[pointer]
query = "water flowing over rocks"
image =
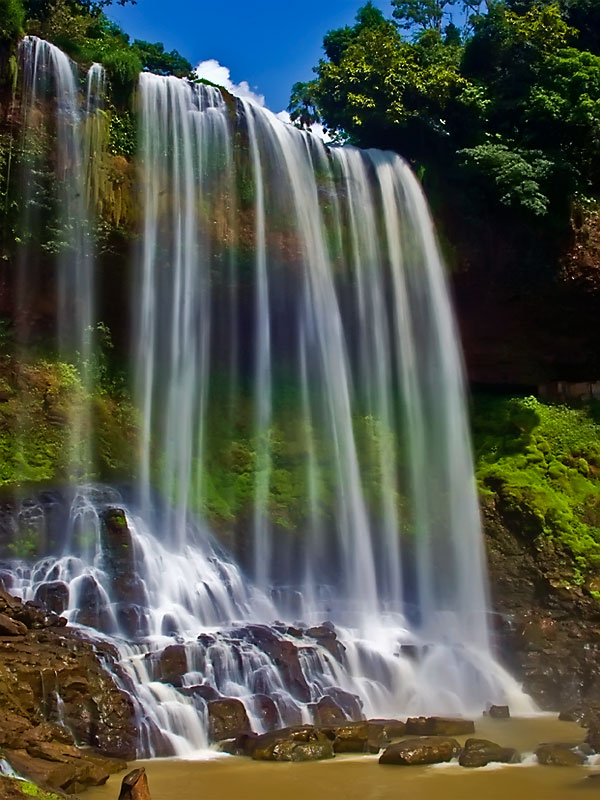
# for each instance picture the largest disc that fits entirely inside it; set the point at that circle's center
(353, 582)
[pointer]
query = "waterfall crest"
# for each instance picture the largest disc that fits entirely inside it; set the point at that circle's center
(291, 321)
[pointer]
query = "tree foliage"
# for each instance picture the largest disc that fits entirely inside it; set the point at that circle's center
(511, 103)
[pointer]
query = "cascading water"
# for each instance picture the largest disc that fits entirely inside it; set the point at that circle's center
(291, 321)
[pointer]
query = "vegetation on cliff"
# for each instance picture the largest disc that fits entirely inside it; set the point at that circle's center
(541, 465)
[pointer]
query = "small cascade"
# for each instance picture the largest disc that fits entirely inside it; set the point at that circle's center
(302, 533)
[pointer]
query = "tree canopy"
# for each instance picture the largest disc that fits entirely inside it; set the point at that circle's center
(505, 96)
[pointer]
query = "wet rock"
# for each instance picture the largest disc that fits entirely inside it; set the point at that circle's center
(53, 595)
(499, 712)
(135, 786)
(11, 627)
(48, 774)
(479, 752)
(593, 737)
(206, 639)
(132, 620)
(289, 711)
(284, 655)
(92, 605)
(200, 690)
(169, 626)
(439, 726)
(351, 704)
(242, 745)
(170, 664)
(326, 637)
(327, 712)
(383, 731)
(351, 737)
(421, 750)
(118, 559)
(227, 718)
(264, 707)
(304, 743)
(558, 755)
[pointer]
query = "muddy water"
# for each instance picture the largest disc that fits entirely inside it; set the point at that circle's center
(358, 777)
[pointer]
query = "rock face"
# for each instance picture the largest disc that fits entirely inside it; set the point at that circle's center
(479, 752)
(227, 718)
(46, 664)
(559, 755)
(548, 634)
(422, 750)
(439, 726)
(291, 744)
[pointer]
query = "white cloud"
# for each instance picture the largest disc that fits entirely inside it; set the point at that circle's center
(212, 71)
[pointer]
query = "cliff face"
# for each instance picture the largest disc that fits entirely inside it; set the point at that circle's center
(527, 302)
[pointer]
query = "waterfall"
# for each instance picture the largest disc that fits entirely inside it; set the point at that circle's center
(305, 482)
(50, 78)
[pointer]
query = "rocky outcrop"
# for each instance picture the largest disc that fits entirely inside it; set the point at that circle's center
(547, 627)
(421, 750)
(57, 691)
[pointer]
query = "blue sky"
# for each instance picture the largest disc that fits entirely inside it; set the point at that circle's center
(269, 44)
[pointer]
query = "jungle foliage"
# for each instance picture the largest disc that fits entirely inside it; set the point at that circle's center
(541, 464)
(506, 107)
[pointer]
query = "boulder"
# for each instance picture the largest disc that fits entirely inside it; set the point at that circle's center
(351, 704)
(421, 750)
(227, 718)
(170, 664)
(439, 726)
(11, 627)
(327, 638)
(499, 712)
(265, 708)
(352, 737)
(92, 605)
(558, 755)
(382, 731)
(327, 712)
(200, 690)
(53, 595)
(304, 743)
(479, 752)
(135, 786)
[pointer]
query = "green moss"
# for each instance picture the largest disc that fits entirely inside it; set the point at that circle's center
(12, 20)
(542, 463)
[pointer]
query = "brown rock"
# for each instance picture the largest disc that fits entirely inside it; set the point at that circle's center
(135, 786)
(479, 752)
(327, 712)
(499, 712)
(352, 737)
(304, 743)
(227, 718)
(558, 755)
(11, 627)
(439, 726)
(421, 750)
